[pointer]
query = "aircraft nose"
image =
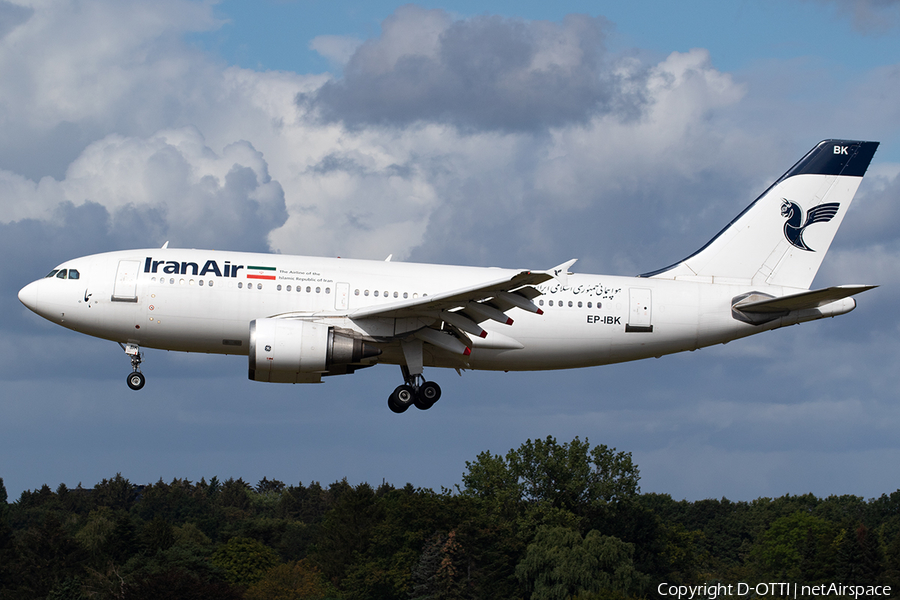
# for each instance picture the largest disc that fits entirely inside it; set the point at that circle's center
(28, 295)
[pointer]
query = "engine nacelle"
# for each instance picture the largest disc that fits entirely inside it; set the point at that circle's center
(294, 351)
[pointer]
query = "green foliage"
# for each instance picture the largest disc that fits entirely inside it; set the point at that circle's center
(96, 535)
(157, 535)
(306, 504)
(3, 497)
(570, 476)
(293, 581)
(244, 561)
(45, 557)
(859, 556)
(559, 564)
(792, 545)
(545, 520)
(176, 584)
(235, 494)
(115, 493)
(441, 573)
(175, 502)
(190, 536)
(346, 530)
(682, 557)
(892, 561)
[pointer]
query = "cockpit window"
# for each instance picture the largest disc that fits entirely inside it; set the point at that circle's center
(61, 274)
(73, 274)
(51, 273)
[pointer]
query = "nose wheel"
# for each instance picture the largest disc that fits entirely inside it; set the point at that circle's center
(135, 379)
(415, 392)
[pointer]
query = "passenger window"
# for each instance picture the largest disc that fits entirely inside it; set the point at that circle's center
(210, 283)
(395, 294)
(61, 274)
(200, 283)
(73, 274)
(327, 290)
(589, 304)
(570, 304)
(579, 304)
(279, 287)
(318, 290)
(376, 293)
(551, 302)
(366, 293)
(240, 285)
(308, 289)
(356, 292)
(541, 302)
(259, 286)
(52, 273)
(405, 295)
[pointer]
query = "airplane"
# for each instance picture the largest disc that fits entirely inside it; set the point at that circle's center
(300, 318)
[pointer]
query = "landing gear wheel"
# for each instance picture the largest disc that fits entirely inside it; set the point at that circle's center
(401, 399)
(136, 380)
(427, 394)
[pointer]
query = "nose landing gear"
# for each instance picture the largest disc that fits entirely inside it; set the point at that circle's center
(135, 379)
(416, 391)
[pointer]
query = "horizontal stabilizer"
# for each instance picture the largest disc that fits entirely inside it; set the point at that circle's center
(801, 301)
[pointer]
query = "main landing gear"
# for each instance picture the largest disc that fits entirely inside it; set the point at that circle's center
(416, 391)
(135, 379)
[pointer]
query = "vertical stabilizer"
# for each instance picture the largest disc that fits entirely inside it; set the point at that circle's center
(782, 237)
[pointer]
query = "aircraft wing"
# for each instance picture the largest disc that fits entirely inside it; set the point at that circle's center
(453, 299)
(460, 311)
(803, 300)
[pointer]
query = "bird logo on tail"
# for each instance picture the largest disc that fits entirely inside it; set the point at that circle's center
(793, 230)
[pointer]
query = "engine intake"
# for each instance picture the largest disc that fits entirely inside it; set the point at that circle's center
(291, 351)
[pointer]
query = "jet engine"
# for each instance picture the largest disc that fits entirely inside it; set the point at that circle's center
(294, 351)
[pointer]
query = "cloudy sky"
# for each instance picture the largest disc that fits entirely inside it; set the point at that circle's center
(493, 133)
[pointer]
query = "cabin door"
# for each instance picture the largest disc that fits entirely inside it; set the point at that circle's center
(640, 311)
(125, 288)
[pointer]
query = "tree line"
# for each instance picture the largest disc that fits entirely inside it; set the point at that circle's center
(548, 520)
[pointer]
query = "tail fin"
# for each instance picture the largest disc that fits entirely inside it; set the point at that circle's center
(783, 236)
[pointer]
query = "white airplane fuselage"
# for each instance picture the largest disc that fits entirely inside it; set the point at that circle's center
(591, 320)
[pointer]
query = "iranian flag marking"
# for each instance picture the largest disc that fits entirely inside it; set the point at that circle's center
(260, 272)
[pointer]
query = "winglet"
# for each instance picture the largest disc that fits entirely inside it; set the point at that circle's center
(561, 272)
(166, 245)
